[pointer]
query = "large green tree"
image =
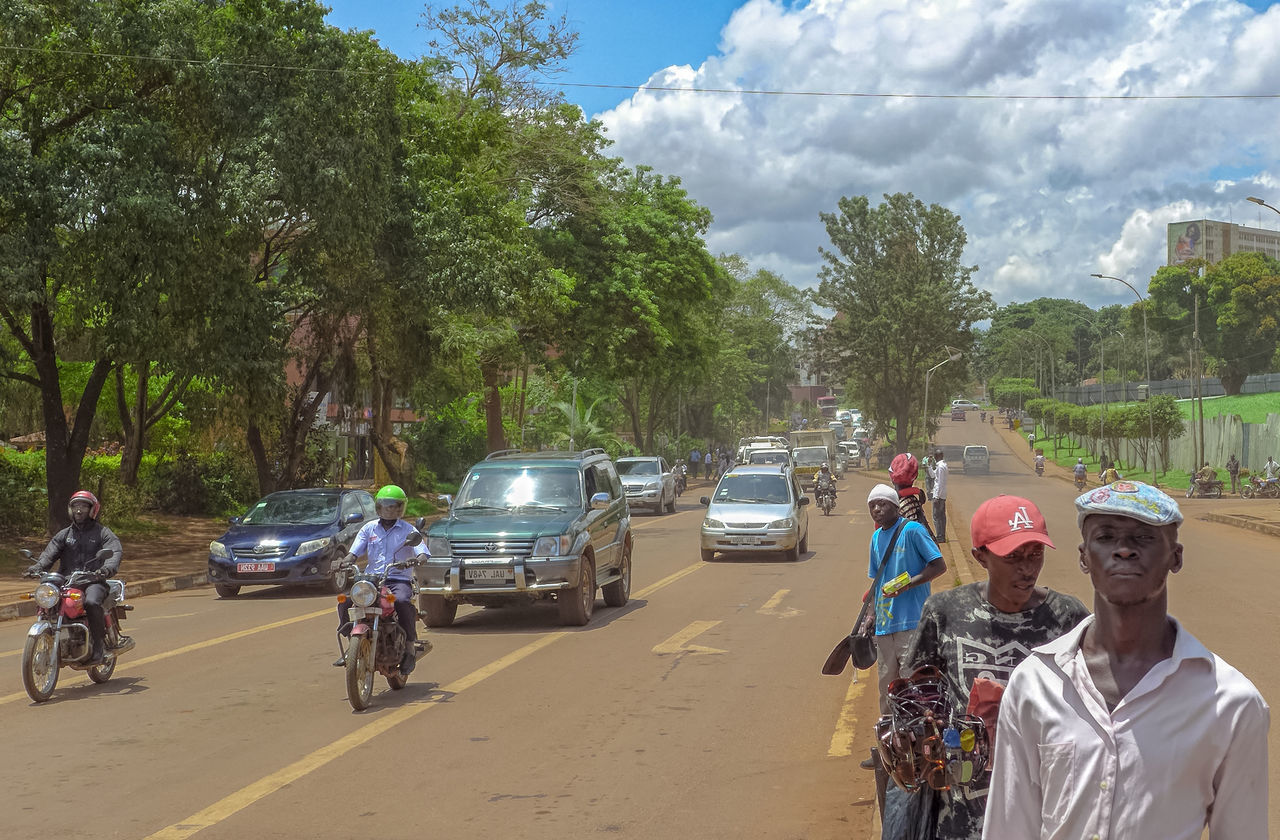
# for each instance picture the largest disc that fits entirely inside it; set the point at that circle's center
(901, 294)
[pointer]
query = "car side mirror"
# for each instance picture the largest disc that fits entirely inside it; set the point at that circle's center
(704, 501)
(413, 539)
(235, 520)
(447, 498)
(599, 501)
(804, 500)
(353, 518)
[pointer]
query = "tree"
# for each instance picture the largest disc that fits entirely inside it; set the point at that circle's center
(900, 293)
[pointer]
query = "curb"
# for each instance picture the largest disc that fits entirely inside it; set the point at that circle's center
(1247, 523)
(136, 589)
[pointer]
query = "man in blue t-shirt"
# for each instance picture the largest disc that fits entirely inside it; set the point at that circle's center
(914, 561)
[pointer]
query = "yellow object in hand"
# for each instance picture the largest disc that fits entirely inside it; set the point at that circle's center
(896, 585)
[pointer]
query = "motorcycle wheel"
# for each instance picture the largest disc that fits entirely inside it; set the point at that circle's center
(360, 673)
(1246, 492)
(1215, 492)
(102, 673)
(40, 666)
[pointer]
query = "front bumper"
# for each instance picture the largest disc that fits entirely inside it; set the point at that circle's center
(732, 539)
(644, 498)
(497, 576)
(309, 568)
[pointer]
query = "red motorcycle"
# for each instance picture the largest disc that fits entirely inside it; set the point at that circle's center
(60, 635)
(1261, 488)
(378, 642)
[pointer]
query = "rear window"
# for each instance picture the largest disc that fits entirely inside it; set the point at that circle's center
(975, 452)
(768, 457)
(810, 455)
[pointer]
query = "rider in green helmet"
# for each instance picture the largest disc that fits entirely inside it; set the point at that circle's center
(380, 540)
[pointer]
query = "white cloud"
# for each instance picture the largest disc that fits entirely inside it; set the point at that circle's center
(1049, 191)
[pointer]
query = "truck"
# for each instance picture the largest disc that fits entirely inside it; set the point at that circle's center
(816, 437)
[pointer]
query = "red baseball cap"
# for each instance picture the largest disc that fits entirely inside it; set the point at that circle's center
(1004, 523)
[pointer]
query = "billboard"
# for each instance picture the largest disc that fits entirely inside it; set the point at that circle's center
(1186, 242)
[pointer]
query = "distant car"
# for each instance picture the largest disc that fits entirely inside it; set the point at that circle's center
(964, 405)
(649, 482)
(837, 428)
(957, 414)
(976, 459)
(290, 537)
(756, 508)
(850, 450)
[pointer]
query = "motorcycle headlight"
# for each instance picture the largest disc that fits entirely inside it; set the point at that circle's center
(552, 546)
(438, 547)
(782, 523)
(313, 545)
(364, 593)
(713, 523)
(217, 549)
(47, 596)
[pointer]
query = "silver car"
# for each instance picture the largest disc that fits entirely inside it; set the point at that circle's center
(649, 482)
(756, 508)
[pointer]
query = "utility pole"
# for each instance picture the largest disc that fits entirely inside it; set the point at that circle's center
(1195, 337)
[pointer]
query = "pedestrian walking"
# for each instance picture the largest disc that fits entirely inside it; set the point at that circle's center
(695, 461)
(939, 472)
(1233, 470)
(706, 464)
(1127, 726)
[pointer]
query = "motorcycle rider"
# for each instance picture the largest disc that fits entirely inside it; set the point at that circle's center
(1271, 470)
(1039, 462)
(1080, 471)
(75, 547)
(1202, 479)
(823, 482)
(380, 540)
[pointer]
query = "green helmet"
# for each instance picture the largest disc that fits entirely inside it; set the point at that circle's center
(390, 495)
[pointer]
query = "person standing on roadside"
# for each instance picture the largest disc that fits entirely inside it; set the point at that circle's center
(939, 473)
(903, 470)
(1233, 471)
(1128, 727)
(904, 584)
(977, 633)
(706, 463)
(695, 460)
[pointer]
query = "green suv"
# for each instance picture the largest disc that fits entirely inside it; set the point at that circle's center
(528, 526)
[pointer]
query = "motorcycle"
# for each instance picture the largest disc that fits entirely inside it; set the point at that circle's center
(982, 417)
(1205, 489)
(1080, 482)
(826, 498)
(377, 642)
(682, 481)
(1261, 488)
(60, 635)
(1039, 463)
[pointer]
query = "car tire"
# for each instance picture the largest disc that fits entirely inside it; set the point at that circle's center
(792, 554)
(226, 590)
(617, 593)
(437, 610)
(577, 604)
(341, 579)
(708, 554)
(671, 505)
(804, 543)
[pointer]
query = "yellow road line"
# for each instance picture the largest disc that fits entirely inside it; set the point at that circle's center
(679, 643)
(129, 664)
(773, 602)
(847, 724)
(267, 785)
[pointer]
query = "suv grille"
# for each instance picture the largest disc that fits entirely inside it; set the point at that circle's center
(519, 549)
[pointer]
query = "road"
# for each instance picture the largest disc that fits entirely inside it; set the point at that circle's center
(696, 710)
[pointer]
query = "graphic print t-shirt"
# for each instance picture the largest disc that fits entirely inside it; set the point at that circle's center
(965, 637)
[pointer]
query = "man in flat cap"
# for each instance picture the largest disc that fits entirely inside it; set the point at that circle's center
(1127, 726)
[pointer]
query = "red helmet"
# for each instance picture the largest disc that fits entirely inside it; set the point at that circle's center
(85, 496)
(903, 469)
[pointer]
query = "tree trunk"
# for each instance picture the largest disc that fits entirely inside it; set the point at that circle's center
(144, 414)
(496, 435)
(394, 452)
(266, 476)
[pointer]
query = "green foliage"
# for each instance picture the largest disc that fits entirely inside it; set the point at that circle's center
(1013, 392)
(448, 441)
(218, 484)
(23, 499)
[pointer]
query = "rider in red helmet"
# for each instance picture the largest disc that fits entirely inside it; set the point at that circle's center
(902, 472)
(75, 548)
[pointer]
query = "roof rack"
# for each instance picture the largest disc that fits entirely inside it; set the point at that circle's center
(500, 452)
(595, 450)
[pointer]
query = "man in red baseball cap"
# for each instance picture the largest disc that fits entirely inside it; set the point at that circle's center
(976, 634)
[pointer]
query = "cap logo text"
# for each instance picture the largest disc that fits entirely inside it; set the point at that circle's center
(1021, 520)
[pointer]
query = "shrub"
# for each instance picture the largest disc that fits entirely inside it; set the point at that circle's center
(24, 499)
(217, 484)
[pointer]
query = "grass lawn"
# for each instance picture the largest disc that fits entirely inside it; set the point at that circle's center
(1252, 408)
(1066, 455)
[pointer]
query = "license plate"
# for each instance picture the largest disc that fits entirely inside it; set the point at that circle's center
(489, 574)
(746, 540)
(255, 567)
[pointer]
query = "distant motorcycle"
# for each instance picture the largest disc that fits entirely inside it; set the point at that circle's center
(826, 497)
(1080, 482)
(682, 481)
(1261, 488)
(1205, 489)
(60, 635)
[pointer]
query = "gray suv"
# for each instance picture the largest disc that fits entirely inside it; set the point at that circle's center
(529, 526)
(649, 482)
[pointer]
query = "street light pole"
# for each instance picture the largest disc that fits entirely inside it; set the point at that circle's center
(954, 355)
(1146, 351)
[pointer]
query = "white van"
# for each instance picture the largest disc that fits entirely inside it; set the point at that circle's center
(976, 459)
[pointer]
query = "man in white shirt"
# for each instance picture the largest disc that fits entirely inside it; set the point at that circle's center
(938, 471)
(1127, 727)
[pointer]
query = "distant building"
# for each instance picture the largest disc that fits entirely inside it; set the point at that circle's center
(1211, 241)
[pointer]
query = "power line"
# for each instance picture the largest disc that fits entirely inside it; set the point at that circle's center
(997, 97)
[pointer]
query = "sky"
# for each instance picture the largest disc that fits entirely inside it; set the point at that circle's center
(945, 99)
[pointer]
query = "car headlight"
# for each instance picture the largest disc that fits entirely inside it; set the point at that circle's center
(313, 545)
(653, 485)
(47, 596)
(217, 549)
(712, 523)
(364, 593)
(438, 547)
(782, 523)
(552, 546)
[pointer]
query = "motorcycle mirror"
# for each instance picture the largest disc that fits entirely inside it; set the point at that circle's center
(104, 554)
(26, 552)
(420, 523)
(413, 539)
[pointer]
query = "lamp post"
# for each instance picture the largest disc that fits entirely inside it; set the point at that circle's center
(1146, 352)
(954, 356)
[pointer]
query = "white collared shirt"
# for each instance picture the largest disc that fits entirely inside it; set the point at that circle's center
(1186, 747)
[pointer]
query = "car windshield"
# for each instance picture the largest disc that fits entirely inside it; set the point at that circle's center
(551, 488)
(808, 456)
(637, 468)
(293, 509)
(752, 489)
(768, 457)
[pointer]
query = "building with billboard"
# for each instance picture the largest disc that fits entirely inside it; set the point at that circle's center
(1210, 241)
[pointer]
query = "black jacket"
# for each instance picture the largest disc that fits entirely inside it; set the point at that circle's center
(76, 548)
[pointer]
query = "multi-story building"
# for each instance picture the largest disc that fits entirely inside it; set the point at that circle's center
(1211, 241)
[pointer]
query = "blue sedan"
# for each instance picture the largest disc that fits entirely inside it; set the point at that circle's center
(290, 537)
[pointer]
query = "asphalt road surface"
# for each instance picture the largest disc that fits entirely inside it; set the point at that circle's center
(697, 710)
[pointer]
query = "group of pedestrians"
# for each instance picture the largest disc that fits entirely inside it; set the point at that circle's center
(713, 464)
(1090, 715)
